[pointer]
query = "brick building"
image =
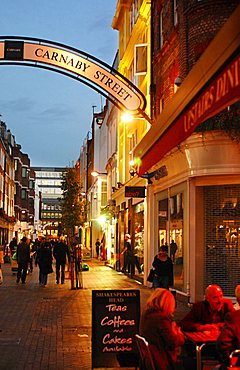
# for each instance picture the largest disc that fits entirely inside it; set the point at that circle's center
(24, 194)
(195, 107)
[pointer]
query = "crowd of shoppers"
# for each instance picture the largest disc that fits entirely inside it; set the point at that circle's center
(42, 251)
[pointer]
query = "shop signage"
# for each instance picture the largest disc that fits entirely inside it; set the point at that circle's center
(224, 90)
(135, 191)
(115, 321)
(123, 91)
(13, 50)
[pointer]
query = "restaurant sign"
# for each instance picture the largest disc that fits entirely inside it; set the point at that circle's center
(77, 64)
(224, 90)
(115, 321)
(135, 191)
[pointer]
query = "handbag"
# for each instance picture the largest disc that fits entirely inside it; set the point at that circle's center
(151, 275)
(1, 276)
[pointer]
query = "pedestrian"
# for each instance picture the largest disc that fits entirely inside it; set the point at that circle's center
(173, 250)
(161, 331)
(23, 259)
(97, 244)
(44, 261)
(205, 316)
(237, 295)
(13, 245)
(61, 253)
(130, 259)
(229, 339)
(163, 270)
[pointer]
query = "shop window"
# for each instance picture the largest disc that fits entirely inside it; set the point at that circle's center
(222, 236)
(170, 228)
(139, 233)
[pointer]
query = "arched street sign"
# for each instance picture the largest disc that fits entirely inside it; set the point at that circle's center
(27, 51)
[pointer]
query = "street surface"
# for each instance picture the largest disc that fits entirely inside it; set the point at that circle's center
(49, 328)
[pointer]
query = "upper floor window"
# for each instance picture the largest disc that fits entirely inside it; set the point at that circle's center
(24, 172)
(140, 59)
(134, 13)
(24, 194)
(160, 29)
(175, 12)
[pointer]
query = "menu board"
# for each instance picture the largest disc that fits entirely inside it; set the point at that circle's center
(115, 321)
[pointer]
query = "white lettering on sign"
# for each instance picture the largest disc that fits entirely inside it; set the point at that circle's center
(76, 64)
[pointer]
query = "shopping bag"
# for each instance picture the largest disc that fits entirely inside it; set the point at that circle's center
(1, 276)
(151, 275)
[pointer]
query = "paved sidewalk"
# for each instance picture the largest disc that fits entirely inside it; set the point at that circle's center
(50, 328)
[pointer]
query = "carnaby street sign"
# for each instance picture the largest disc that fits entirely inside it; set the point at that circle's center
(126, 96)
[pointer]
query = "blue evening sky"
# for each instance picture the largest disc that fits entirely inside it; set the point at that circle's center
(50, 114)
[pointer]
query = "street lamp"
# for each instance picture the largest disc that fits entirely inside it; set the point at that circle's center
(96, 173)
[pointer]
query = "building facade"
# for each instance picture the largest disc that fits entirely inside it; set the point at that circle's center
(195, 103)
(132, 20)
(49, 182)
(7, 187)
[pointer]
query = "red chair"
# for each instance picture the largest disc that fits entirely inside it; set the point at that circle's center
(146, 359)
(234, 360)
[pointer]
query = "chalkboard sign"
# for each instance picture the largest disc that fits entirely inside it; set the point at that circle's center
(115, 321)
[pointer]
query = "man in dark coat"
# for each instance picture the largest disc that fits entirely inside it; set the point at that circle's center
(23, 258)
(208, 314)
(229, 338)
(60, 252)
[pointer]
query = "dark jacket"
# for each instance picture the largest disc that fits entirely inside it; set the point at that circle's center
(60, 251)
(229, 339)
(163, 340)
(200, 314)
(164, 268)
(23, 253)
(44, 260)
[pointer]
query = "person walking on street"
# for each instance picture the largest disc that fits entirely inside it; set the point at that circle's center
(60, 253)
(173, 250)
(163, 266)
(44, 261)
(97, 244)
(13, 245)
(130, 259)
(23, 258)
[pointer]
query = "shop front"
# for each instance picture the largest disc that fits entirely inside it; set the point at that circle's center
(196, 205)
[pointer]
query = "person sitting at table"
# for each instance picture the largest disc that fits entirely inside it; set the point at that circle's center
(161, 331)
(237, 294)
(207, 315)
(229, 338)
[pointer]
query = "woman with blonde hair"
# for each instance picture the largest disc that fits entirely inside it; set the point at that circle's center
(161, 331)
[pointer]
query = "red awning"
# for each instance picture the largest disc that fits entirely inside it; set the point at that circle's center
(223, 91)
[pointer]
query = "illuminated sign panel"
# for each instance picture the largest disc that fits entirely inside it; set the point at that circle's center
(122, 91)
(135, 191)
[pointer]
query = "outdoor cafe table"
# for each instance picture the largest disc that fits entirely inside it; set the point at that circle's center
(200, 339)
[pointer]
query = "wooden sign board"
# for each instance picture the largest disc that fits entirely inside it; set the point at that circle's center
(115, 321)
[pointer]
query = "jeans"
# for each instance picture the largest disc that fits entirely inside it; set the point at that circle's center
(60, 266)
(22, 272)
(160, 282)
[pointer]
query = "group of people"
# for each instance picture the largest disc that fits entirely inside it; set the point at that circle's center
(43, 251)
(167, 340)
(130, 260)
